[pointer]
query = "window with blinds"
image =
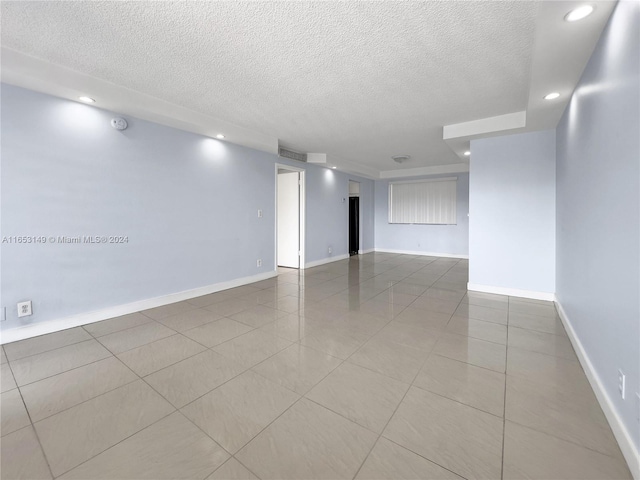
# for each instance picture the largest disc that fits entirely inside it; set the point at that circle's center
(431, 202)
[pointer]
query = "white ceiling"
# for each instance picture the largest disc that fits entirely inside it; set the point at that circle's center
(359, 81)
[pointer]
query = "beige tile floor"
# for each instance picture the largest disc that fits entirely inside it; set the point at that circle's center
(381, 366)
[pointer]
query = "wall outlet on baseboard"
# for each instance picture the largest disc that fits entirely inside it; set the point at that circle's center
(259, 262)
(24, 309)
(621, 383)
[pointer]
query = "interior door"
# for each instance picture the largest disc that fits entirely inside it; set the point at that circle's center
(288, 219)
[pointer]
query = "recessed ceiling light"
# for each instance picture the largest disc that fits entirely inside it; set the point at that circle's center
(334, 168)
(579, 13)
(552, 96)
(220, 136)
(86, 99)
(467, 153)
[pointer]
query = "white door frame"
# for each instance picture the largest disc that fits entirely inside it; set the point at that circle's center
(303, 209)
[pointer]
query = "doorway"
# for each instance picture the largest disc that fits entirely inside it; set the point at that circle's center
(289, 217)
(354, 217)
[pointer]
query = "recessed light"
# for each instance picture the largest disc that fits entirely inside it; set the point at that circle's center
(334, 168)
(579, 13)
(86, 99)
(467, 153)
(220, 136)
(552, 96)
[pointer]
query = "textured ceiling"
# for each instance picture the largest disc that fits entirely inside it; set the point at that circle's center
(359, 80)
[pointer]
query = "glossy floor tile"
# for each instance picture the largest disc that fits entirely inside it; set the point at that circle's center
(472, 350)
(73, 436)
(390, 461)
(172, 448)
(381, 366)
(361, 395)
(462, 439)
(21, 456)
(308, 441)
(474, 386)
(65, 390)
(237, 411)
(532, 454)
(14, 415)
(160, 354)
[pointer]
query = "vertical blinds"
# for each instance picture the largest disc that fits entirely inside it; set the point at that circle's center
(429, 202)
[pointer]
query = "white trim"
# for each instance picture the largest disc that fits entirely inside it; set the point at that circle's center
(426, 180)
(499, 123)
(426, 254)
(33, 330)
(434, 170)
(629, 451)
(512, 292)
(322, 261)
(368, 250)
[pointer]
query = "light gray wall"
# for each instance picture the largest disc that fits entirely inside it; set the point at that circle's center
(187, 203)
(445, 239)
(512, 217)
(598, 221)
(367, 215)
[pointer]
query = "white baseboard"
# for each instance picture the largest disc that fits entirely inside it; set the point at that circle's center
(426, 254)
(322, 261)
(629, 451)
(368, 250)
(36, 329)
(512, 292)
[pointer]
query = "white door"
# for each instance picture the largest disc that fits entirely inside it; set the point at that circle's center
(288, 219)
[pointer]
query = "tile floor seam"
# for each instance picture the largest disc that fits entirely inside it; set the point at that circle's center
(116, 331)
(458, 401)
(115, 444)
(53, 349)
(223, 318)
(420, 455)
(85, 401)
(573, 442)
(199, 397)
(44, 455)
(391, 417)
(504, 402)
(576, 361)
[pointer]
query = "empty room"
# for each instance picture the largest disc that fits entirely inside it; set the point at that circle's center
(320, 240)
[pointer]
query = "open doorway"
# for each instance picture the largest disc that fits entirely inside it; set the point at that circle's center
(354, 217)
(289, 217)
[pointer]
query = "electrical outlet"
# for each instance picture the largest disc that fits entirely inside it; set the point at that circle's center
(3, 314)
(638, 407)
(330, 250)
(259, 213)
(24, 309)
(259, 262)
(621, 383)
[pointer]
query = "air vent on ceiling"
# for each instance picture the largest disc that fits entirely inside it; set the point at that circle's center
(300, 157)
(401, 158)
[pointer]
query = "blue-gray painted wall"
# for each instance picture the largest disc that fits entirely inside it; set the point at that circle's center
(598, 216)
(512, 226)
(446, 239)
(187, 203)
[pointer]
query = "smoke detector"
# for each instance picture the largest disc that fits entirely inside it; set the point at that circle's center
(400, 158)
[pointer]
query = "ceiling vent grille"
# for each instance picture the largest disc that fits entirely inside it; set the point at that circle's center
(300, 157)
